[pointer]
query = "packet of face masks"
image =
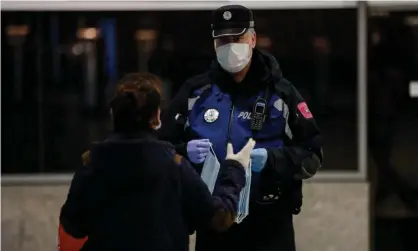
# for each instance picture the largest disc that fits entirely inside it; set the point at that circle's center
(209, 175)
(210, 170)
(244, 198)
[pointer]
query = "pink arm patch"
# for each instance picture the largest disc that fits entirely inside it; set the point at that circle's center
(303, 108)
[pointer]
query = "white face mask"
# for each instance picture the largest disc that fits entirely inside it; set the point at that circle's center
(233, 57)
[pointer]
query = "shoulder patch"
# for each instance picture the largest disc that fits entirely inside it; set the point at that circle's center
(304, 109)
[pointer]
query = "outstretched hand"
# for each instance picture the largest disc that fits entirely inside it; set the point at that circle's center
(243, 156)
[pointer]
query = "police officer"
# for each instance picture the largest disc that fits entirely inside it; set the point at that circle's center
(243, 95)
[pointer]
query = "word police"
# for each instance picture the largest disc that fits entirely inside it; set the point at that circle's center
(244, 115)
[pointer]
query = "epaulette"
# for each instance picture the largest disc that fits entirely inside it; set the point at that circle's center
(199, 90)
(283, 87)
(198, 81)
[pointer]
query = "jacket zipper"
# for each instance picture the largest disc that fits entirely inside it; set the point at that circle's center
(231, 114)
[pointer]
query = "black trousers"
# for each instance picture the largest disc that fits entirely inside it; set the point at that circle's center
(263, 230)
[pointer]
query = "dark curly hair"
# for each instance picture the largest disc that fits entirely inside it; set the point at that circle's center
(136, 102)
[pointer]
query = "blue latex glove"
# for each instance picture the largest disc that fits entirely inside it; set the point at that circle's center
(198, 149)
(258, 159)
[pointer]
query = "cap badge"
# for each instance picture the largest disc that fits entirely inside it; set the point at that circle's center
(227, 15)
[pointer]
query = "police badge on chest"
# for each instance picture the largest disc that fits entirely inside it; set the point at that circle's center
(211, 115)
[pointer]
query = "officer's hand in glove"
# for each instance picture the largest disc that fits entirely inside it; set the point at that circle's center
(243, 156)
(258, 159)
(198, 149)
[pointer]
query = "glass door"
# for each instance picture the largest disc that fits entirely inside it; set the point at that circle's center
(393, 126)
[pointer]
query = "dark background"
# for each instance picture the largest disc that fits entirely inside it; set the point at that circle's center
(47, 127)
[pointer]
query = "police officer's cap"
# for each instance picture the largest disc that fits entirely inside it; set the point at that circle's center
(231, 20)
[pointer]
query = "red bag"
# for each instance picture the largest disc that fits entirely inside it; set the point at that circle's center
(68, 243)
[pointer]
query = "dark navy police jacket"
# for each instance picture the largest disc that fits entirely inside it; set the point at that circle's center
(290, 133)
(134, 193)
